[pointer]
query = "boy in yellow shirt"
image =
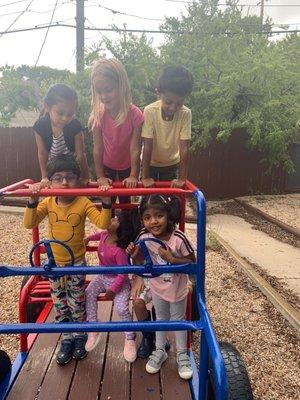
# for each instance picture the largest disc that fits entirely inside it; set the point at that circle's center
(66, 222)
(166, 131)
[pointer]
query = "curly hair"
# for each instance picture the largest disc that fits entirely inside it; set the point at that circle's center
(129, 227)
(170, 205)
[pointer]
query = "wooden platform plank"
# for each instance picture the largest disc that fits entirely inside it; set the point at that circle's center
(143, 385)
(87, 378)
(116, 378)
(57, 380)
(173, 387)
(32, 374)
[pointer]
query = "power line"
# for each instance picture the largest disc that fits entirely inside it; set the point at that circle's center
(45, 38)
(14, 2)
(35, 11)
(113, 11)
(240, 5)
(16, 19)
(57, 24)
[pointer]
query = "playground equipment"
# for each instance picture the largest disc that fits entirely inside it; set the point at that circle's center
(219, 373)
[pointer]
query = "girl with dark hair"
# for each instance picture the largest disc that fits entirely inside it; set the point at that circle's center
(111, 251)
(159, 215)
(57, 131)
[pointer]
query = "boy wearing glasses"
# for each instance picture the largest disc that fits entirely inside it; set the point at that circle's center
(66, 222)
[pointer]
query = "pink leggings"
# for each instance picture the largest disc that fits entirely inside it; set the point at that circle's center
(98, 285)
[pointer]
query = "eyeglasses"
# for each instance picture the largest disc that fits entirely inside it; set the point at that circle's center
(70, 178)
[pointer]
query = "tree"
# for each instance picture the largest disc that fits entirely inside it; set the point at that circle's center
(242, 80)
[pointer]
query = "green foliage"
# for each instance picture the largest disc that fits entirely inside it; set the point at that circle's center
(242, 78)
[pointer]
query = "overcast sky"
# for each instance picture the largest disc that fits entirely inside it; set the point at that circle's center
(59, 48)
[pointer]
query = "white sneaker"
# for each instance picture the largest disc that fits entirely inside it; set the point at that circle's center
(184, 365)
(157, 358)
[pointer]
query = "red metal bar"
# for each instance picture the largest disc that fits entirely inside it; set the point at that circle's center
(17, 185)
(97, 192)
(189, 317)
(182, 216)
(93, 190)
(39, 290)
(42, 318)
(23, 301)
(39, 299)
(37, 251)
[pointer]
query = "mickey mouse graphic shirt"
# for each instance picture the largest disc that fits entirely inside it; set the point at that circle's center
(67, 223)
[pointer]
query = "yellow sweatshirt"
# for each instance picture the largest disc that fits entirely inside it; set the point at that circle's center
(66, 223)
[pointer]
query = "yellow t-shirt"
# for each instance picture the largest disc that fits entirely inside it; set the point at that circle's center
(66, 223)
(166, 134)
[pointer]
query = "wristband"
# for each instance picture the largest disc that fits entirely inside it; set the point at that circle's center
(32, 205)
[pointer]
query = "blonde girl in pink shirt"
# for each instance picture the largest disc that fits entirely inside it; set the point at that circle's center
(169, 292)
(116, 124)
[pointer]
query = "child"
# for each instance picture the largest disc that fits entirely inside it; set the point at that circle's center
(66, 221)
(116, 124)
(167, 130)
(121, 231)
(169, 291)
(58, 132)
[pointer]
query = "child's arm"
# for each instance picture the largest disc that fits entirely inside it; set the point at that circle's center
(147, 152)
(135, 252)
(168, 257)
(81, 158)
(43, 158)
(100, 218)
(135, 152)
(92, 237)
(35, 212)
(103, 182)
(184, 146)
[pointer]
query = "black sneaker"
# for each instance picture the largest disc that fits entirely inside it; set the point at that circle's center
(147, 345)
(79, 351)
(65, 352)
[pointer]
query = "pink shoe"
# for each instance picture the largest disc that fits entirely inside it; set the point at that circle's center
(129, 350)
(92, 341)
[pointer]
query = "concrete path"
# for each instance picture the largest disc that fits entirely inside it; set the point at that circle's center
(277, 258)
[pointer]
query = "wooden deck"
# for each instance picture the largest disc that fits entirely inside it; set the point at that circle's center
(102, 375)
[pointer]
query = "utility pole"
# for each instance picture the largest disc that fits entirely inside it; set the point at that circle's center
(79, 35)
(262, 4)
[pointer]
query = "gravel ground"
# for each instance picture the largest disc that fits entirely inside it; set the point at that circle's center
(286, 208)
(240, 313)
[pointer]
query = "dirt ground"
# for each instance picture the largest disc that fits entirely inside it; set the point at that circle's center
(240, 313)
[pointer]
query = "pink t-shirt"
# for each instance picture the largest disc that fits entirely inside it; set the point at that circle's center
(110, 254)
(170, 287)
(116, 139)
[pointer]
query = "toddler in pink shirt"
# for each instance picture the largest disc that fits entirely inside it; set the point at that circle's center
(111, 251)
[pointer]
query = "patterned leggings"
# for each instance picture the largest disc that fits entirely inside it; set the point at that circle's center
(121, 301)
(69, 301)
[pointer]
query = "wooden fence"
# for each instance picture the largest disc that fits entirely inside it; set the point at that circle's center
(223, 170)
